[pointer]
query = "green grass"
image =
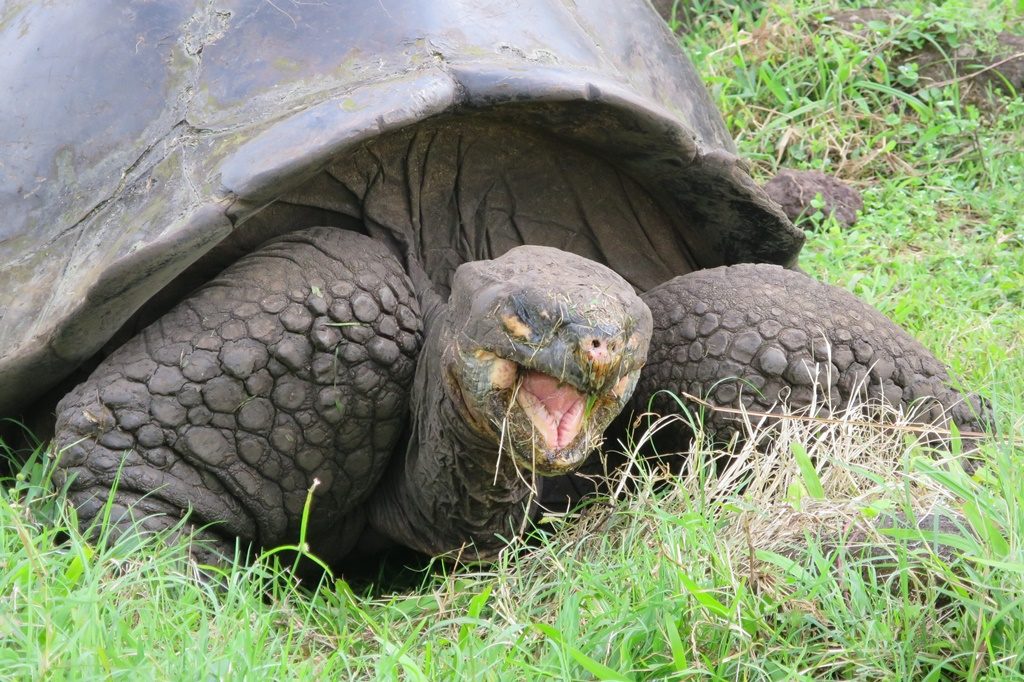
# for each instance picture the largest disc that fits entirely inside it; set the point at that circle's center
(696, 578)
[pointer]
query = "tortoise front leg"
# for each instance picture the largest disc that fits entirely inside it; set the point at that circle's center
(758, 336)
(292, 366)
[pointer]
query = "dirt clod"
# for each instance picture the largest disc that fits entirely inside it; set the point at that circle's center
(796, 190)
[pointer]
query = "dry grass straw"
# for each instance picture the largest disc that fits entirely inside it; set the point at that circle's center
(838, 478)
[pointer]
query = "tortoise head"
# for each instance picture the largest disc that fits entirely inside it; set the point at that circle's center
(545, 349)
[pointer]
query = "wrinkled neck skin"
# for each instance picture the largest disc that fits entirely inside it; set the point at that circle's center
(450, 492)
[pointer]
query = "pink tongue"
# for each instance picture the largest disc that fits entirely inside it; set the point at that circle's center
(555, 410)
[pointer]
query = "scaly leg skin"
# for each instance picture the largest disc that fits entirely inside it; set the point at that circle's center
(759, 335)
(293, 365)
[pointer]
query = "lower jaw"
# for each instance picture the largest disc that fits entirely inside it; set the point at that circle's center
(544, 462)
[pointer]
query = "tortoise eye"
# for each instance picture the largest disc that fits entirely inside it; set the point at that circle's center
(515, 326)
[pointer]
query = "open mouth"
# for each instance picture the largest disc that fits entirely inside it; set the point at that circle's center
(550, 424)
(555, 409)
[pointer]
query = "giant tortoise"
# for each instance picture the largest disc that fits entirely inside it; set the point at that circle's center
(415, 255)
